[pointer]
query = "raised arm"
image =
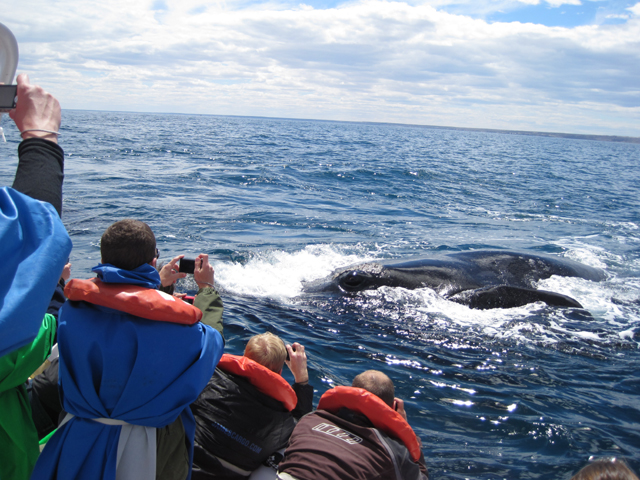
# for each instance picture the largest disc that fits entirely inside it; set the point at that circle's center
(41, 160)
(408, 468)
(207, 299)
(297, 363)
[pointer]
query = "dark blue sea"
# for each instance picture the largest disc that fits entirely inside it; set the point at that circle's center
(523, 393)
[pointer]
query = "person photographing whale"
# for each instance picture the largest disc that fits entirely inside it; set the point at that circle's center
(132, 359)
(43, 394)
(356, 432)
(34, 246)
(248, 410)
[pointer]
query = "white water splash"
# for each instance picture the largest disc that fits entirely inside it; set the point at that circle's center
(280, 276)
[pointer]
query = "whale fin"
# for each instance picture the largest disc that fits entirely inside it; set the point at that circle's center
(505, 296)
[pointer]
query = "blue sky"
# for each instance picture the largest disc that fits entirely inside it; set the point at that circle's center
(544, 65)
(558, 14)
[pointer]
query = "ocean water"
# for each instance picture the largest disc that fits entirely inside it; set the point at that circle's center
(523, 393)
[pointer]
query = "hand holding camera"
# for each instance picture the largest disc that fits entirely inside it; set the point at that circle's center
(180, 266)
(297, 363)
(203, 271)
(37, 112)
(171, 273)
(398, 406)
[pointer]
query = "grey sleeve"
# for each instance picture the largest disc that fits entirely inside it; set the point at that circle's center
(406, 467)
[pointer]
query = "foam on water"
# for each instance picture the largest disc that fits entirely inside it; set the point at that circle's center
(280, 276)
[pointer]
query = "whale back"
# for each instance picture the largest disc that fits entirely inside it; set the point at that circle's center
(524, 270)
(456, 272)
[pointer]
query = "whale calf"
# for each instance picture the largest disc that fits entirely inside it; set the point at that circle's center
(479, 279)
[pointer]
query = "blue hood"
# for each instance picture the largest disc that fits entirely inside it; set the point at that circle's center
(35, 246)
(145, 275)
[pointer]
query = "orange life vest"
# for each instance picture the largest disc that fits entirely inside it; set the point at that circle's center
(266, 381)
(379, 413)
(134, 300)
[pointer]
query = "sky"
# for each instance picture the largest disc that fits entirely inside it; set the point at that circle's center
(569, 66)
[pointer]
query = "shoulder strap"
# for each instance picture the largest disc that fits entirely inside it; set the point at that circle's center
(379, 413)
(134, 300)
(266, 381)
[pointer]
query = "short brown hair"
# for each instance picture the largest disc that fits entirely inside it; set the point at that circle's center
(377, 383)
(268, 350)
(605, 469)
(127, 244)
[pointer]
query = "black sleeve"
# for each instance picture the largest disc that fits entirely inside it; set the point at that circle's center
(305, 400)
(57, 299)
(45, 396)
(40, 171)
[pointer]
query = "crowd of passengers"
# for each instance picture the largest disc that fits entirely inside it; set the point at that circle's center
(119, 379)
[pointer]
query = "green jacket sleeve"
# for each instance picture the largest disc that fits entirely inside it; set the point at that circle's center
(15, 367)
(208, 300)
(18, 437)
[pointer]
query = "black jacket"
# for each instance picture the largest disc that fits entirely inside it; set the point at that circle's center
(240, 425)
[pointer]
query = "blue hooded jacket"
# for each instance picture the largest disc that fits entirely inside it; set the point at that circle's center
(35, 247)
(118, 366)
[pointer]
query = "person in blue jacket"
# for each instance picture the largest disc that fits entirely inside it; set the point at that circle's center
(34, 247)
(132, 359)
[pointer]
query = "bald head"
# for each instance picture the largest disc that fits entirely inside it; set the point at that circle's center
(377, 383)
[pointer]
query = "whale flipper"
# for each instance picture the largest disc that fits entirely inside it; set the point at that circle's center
(506, 296)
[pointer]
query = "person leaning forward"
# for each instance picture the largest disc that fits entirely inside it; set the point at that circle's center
(357, 432)
(132, 359)
(247, 410)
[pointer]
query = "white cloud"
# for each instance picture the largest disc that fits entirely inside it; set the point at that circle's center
(635, 9)
(486, 7)
(559, 3)
(372, 60)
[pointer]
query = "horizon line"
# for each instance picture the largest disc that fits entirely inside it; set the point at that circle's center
(575, 136)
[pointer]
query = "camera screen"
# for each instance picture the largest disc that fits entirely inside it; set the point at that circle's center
(7, 96)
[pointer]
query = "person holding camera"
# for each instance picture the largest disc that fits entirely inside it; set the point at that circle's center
(131, 361)
(359, 431)
(247, 410)
(34, 246)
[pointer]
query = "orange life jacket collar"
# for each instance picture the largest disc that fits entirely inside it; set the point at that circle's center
(134, 300)
(266, 381)
(379, 414)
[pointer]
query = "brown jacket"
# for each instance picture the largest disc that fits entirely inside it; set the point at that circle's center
(346, 446)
